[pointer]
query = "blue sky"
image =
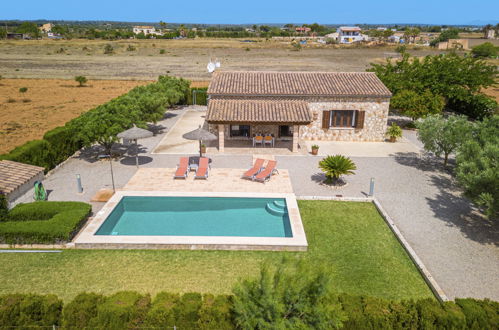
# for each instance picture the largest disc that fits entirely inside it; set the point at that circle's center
(258, 11)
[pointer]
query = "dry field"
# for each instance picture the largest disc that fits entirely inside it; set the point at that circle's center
(48, 103)
(65, 59)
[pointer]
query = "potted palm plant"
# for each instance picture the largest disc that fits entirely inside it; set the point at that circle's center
(336, 166)
(394, 132)
(315, 149)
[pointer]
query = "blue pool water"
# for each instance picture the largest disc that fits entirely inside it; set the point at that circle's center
(198, 216)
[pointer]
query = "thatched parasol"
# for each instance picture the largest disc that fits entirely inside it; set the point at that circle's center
(134, 134)
(200, 134)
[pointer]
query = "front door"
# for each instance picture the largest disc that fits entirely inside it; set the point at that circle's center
(285, 131)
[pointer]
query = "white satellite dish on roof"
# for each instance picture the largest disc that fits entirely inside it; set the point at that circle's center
(217, 63)
(211, 67)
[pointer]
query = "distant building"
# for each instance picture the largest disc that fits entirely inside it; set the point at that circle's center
(303, 29)
(350, 34)
(146, 30)
(381, 28)
(454, 44)
(19, 36)
(47, 27)
(490, 34)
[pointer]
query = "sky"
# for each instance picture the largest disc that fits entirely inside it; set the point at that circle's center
(259, 11)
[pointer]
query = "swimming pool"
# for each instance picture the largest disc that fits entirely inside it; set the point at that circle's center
(196, 220)
(198, 216)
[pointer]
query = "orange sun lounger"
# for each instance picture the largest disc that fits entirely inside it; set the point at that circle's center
(257, 167)
(203, 169)
(269, 170)
(182, 169)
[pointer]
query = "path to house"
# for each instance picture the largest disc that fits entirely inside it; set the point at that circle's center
(458, 247)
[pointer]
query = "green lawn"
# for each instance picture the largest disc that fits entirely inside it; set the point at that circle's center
(351, 238)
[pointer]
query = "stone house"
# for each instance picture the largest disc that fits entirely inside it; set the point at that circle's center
(294, 106)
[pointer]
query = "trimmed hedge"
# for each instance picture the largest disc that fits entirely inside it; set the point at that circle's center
(140, 105)
(17, 310)
(126, 310)
(201, 96)
(43, 222)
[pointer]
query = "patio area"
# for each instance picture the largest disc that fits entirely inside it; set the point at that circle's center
(220, 180)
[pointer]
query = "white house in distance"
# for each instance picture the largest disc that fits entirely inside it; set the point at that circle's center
(146, 30)
(349, 34)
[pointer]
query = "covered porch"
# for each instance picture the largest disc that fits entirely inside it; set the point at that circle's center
(265, 126)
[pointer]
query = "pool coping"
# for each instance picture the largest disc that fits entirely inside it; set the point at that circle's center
(87, 239)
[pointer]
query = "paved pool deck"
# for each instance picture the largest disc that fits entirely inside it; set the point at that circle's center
(459, 247)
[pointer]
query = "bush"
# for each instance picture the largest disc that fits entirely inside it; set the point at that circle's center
(336, 166)
(35, 152)
(63, 143)
(108, 49)
(30, 310)
(417, 105)
(43, 222)
(23, 90)
(484, 50)
(187, 310)
(201, 96)
(161, 51)
(81, 80)
(123, 310)
(215, 313)
(162, 312)
(478, 106)
(479, 314)
(81, 310)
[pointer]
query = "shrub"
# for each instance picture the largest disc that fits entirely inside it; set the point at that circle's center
(131, 48)
(417, 105)
(479, 314)
(81, 80)
(201, 96)
(43, 222)
(162, 312)
(108, 49)
(30, 310)
(394, 131)
(35, 152)
(215, 313)
(161, 51)
(484, 50)
(81, 310)
(336, 166)
(477, 106)
(187, 310)
(23, 90)
(122, 310)
(63, 143)
(4, 207)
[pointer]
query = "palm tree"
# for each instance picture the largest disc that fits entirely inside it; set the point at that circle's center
(336, 166)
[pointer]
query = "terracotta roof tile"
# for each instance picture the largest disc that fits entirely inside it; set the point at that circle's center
(14, 175)
(297, 84)
(258, 111)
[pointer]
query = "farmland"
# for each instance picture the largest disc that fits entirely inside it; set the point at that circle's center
(48, 103)
(146, 59)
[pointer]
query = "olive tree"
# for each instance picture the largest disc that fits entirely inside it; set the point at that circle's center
(443, 136)
(477, 167)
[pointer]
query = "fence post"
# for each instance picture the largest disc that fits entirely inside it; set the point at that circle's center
(78, 182)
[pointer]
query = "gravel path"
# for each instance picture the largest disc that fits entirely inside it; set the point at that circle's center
(456, 244)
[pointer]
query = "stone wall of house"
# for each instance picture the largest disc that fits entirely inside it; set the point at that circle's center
(375, 121)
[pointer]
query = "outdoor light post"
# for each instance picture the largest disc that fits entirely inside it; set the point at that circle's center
(371, 188)
(112, 174)
(78, 182)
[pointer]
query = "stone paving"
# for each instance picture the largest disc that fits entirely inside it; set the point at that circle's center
(457, 245)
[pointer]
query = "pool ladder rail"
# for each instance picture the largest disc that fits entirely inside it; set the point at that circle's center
(276, 208)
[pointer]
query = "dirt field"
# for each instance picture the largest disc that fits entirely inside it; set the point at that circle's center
(48, 103)
(65, 59)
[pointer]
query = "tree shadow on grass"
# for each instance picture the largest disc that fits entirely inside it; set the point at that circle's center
(450, 206)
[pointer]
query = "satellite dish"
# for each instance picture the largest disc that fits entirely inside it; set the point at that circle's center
(211, 67)
(217, 63)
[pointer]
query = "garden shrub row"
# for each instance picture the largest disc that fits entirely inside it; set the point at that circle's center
(140, 105)
(201, 96)
(43, 222)
(128, 309)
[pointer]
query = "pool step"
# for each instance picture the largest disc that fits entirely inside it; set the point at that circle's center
(273, 209)
(280, 205)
